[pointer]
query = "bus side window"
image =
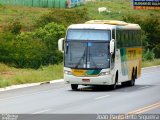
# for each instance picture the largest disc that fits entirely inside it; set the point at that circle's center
(123, 39)
(133, 38)
(127, 38)
(118, 39)
(139, 38)
(113, 34)
(130, 38)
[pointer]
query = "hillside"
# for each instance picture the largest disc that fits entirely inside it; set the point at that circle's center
(118, 8)
(28, 15)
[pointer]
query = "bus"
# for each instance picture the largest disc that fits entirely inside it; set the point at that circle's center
(102, 52)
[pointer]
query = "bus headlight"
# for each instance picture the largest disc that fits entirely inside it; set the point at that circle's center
(104, 73)
(68, 72)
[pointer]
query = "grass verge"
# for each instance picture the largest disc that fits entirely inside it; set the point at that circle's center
(12, 76)
(151, 63)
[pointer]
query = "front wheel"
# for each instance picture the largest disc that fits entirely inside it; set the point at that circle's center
(74, 86)
(113, 87)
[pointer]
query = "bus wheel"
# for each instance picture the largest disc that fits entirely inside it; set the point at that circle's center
(113, 87)
(74, 86)
(132, 81)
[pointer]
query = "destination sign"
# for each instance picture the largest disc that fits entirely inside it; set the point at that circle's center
(146, 4)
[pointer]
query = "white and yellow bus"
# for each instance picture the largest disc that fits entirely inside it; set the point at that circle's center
(102, 52)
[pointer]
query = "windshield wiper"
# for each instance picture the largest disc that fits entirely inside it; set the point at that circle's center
(93, 61)
(79, 62)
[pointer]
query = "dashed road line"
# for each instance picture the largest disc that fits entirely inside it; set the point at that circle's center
(144, 87)
(42, 111)
(101, 97)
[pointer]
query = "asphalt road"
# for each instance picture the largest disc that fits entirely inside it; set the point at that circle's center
(58, 98)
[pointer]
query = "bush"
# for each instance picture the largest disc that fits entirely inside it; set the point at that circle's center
(15, 26)
(152, 28)
(50, 34)
(148, 55)
(157, 51)
(6, 47)
(40, 47)
(28, 51)
(63, 16)
(32, 49)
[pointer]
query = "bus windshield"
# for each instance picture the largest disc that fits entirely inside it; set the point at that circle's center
(87, 55)
(88, 34)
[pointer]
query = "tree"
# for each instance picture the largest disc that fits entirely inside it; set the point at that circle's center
(50, 34)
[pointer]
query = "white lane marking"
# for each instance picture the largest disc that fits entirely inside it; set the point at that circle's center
(144, 87)
(57, 81)
(42, 111)
(102, 97)
(14, 87)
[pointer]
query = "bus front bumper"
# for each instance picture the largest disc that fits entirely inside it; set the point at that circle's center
(98, 80)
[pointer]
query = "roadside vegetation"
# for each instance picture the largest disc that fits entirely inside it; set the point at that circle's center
(13, 76)
(28, 37)
(149, 63)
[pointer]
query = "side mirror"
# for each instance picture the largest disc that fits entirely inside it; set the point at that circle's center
(112, 46)
(61, 44)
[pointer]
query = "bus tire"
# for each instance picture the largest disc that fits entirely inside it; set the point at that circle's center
(113, 87)
(132, 81)
(74, 86)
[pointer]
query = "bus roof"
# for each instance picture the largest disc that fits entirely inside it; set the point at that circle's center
(117, 23)
(110, 22)
(92, 26)
(105, 24)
